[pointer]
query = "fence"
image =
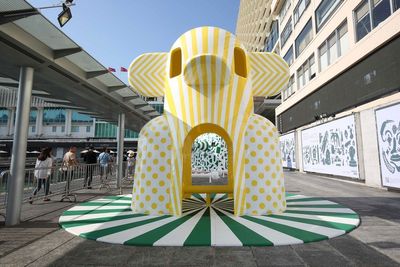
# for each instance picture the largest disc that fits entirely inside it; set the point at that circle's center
(65, 181)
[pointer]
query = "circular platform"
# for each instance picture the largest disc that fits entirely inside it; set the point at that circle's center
(307, 219)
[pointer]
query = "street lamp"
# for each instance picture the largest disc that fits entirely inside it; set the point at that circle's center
(65, 15)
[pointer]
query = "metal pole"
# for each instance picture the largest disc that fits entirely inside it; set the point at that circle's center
(120, 149)
(18, 157)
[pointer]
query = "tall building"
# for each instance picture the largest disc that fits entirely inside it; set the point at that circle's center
(340, 113)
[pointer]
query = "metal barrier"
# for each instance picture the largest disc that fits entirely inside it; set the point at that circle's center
(63, 180)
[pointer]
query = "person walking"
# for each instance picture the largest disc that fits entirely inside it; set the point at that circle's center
(104, 160)
(90, 158)
(42, 173)
(69, 162)
(131, 164)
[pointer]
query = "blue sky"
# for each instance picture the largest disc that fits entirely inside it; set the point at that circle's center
(117, 31)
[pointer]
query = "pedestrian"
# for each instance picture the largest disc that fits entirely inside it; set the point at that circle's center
(90, 158)
(42, 173)
(131, 164)
(69, 162)
(104, 160)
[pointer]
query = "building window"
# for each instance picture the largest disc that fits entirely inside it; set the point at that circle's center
(290, 88)
(335, 46)
(306, 72)
(54, 129)
(286, 32)
(304, 38)
(74, 129)
(284, 10)
(53, 115)
(78, 117)
(33, 129)
(62, 129)
(32, 116)
(325, 10)
(3, 116)
(273, 37)
(299, 10)
(396, 5)
(289, 56)
(88, 129)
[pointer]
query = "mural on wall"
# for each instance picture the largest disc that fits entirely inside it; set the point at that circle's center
(388, 127)
(331, 148)
(210, 156)
(287, 145)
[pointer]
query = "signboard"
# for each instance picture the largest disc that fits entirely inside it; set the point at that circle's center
(287, 145)
(331, 148)
(388, 127)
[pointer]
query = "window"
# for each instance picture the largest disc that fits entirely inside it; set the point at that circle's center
(335, 46)
(32, 116)
(62, 129)
(324, 11)
(273, 37)
(78, 117)
(74, 129)
(53, 115)
(108, 130)
(289, 56)
(306, 72)
(33, 129)
(284, 10)
(299, 10)
(381, 11)
(290, 88)
(54, 129)
(304, 38)
(396, 5)
(88, 129)
(286, 32)
(3, 116)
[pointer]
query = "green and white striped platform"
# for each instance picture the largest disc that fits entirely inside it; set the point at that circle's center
(306, 219)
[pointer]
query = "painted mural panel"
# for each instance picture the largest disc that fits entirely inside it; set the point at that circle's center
(287, 145)
(331, 148)
(388, 127)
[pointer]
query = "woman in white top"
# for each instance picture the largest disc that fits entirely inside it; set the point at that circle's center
(43, 166)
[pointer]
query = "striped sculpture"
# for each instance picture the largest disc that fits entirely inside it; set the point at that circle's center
(208, 81)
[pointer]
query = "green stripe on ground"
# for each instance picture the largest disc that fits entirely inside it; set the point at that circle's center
(315, 206)
(115, 229)
(198, 196)
(247, 236)
(304, 199)
(98, 220)
(102, 204)
(334, 225)
(83, 212)
(333, 214)
(289, 195)
(201, 233)
(304, 235)
(149, 238)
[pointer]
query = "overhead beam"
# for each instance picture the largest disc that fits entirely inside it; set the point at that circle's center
(13, 15)
(111, 89)
(9, 84)
(129, 98)
(96, 73)
(140, 106)
(149, 111)
(66, 52)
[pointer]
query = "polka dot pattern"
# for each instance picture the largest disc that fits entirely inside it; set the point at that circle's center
(151, 186)
(265, 191)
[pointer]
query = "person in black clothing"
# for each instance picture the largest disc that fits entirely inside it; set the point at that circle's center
(90, 158)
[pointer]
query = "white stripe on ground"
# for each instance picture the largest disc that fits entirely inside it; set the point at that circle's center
(316, 202)
(121, 237)
(90, 208)
(221, 235)
(179, 235)
(322, 230)
(77, 218)
(323, 218)
(333, 210)
(276, 237)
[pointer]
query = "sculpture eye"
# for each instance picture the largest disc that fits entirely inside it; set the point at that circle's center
(175, 68)
(240, 62)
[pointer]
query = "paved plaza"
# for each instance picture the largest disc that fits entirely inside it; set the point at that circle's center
(39, 241)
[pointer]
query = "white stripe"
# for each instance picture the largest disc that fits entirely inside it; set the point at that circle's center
(221, 235)
(113, 201)
(179, 235)
(316, 202)
(296, 197)
(322, 230)
(91, 208)
(333, 210)
(121, 237)
(324, 218)
(276, 237)
(77, 218)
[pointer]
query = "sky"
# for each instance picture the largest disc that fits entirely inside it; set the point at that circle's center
(116, 31)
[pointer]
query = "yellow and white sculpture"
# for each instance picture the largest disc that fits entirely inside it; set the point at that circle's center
(208, 81)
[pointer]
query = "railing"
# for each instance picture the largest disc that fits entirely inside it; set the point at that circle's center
(65, 181)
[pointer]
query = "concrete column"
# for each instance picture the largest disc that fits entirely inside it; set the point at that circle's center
(39, 121)
(299, 150)
(68, 122)
(120, 147)
(10, 122)
(17, 176)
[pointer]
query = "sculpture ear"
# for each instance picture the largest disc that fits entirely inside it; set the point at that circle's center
(147, 74)
(269, 73)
